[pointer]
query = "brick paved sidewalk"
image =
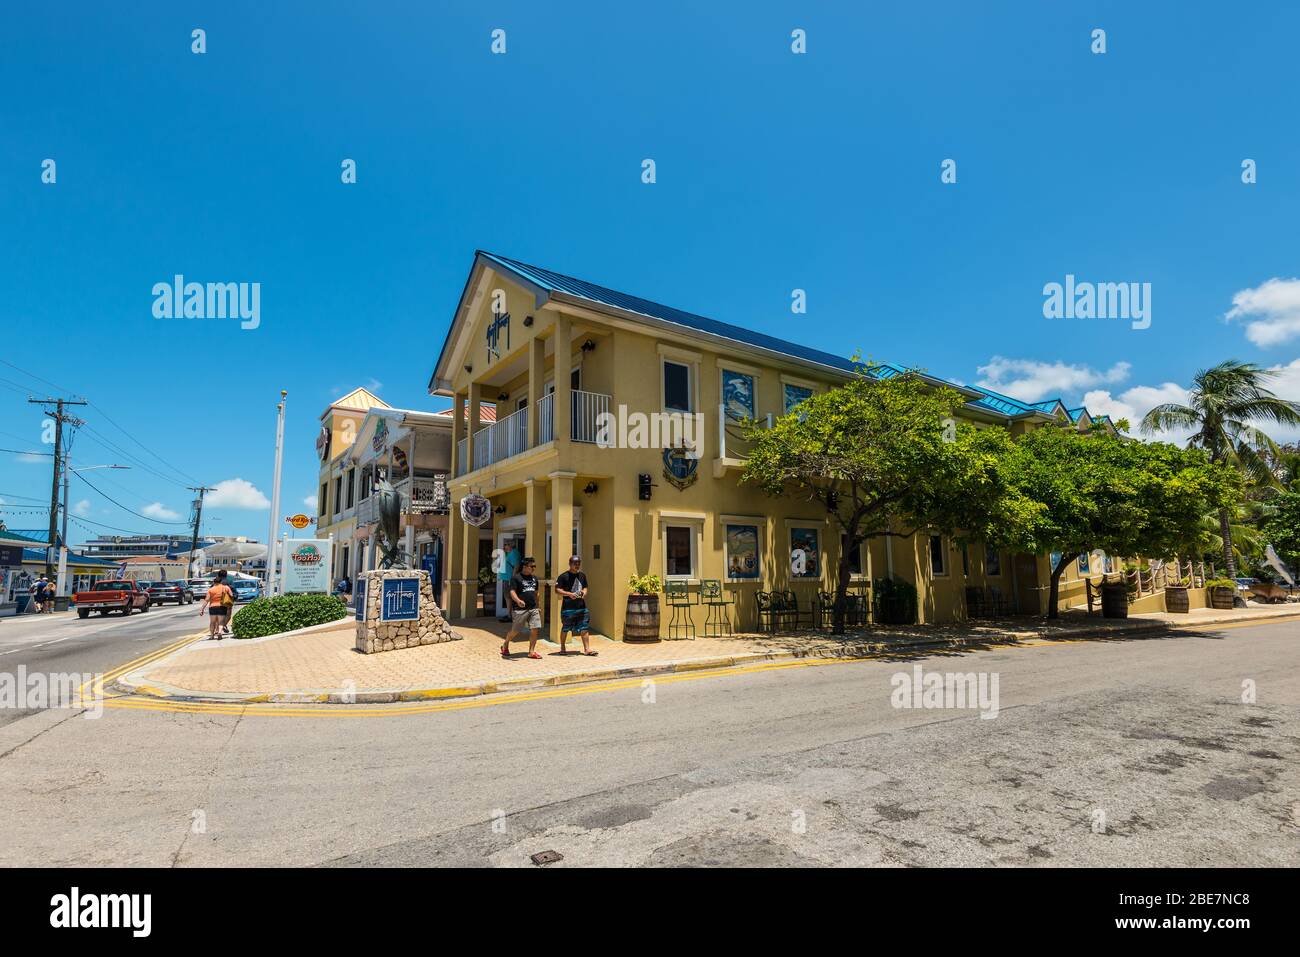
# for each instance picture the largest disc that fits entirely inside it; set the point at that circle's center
(311, 665)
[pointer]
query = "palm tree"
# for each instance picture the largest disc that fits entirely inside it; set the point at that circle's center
(1222, 403)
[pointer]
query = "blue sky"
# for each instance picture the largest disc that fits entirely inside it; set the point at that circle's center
(775, 171)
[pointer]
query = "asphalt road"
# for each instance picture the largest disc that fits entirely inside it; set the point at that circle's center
(1111, 753)
(62, 643)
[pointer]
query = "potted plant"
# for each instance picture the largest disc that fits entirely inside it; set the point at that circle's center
(1115, 596)
(895, 601)
(1176, 597)
(487, 587)
(642, 622)
(1222, 591)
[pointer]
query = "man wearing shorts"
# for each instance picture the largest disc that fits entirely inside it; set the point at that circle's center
(572, 587)
(523, 607)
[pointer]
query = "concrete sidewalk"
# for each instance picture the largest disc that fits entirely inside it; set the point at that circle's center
(321, 666)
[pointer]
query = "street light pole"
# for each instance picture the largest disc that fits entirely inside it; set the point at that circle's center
(275, 498)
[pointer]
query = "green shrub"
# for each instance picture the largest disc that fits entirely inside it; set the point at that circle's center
(271, 616)
(1221, 583)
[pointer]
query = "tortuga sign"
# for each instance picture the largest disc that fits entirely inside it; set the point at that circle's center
(299, 521)
(306, 566)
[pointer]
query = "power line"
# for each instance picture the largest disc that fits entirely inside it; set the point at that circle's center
(123, 507)
(101, 440)
(33, 375)
(100, 409)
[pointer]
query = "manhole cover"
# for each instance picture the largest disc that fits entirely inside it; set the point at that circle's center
(547, 857)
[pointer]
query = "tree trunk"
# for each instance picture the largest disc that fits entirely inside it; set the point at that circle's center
(1225, 532)
(841, 593)
(1054, 589)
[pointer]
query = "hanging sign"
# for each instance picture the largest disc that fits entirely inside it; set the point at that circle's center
(475, 510)
(298, 521)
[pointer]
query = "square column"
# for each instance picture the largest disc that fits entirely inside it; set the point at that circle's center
(475, 398)
(536, 380)
(457, 433)
(561, 536)
(563, 401)
(453, 559)
(535, 520)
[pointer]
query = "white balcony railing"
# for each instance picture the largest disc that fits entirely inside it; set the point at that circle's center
(420, 495)
(509, 437)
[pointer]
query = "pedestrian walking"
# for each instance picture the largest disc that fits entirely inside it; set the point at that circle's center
(509, 564)
(38, 594)
(571, 586)
(344, 590)
(217, 603)
(523, 602)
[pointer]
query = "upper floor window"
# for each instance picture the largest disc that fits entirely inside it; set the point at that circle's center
(738, 394)
(794, 394)
(677, 386)
(938, 557)
(352, 487)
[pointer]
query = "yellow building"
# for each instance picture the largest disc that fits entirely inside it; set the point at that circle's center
(337, 491)
(548, 480)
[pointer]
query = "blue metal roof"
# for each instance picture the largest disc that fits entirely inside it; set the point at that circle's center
(557, 282)
(551, 281)
(74, 558)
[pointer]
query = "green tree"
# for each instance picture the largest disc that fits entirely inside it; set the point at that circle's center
(1282, 530)
(883, 456)
(1098, 491)
(1222, 404)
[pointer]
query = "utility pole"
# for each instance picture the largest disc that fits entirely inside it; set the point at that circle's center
(275, 498)
(198, 517)
(59, 417)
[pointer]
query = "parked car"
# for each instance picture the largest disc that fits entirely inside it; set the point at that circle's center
(179, 592)
(245, 589)
(106, 596)
(200, 586)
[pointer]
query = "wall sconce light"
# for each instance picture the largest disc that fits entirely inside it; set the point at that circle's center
(500, 509)
(589, 346)
(502, 396)
(528, 320)
(469, 368)
(590, 488)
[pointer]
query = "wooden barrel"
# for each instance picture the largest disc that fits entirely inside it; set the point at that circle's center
(1221, 598)
(642, 622)
(1114, 600)
(1176, 600)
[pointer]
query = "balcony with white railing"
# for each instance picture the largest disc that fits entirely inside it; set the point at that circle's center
(419, 496)
(509, 436)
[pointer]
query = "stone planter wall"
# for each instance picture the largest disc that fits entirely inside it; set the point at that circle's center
(375, 635)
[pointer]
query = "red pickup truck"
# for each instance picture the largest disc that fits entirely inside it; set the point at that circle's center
(103, 597)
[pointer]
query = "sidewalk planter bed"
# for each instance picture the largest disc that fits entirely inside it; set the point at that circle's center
(642, 623)
(1176, 599)
(1114, 600)
(1222, 591)
(895, 602)
(271, 616)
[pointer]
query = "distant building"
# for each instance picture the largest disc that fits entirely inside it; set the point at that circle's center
(168, 545)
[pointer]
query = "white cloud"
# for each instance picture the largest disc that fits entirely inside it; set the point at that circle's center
(1277, 304)
(81, 508)
(1134, 403)
(1030, 380)
(236, 493)
(33, 458)
(159, 511)
(1286, 385)
(312, 502)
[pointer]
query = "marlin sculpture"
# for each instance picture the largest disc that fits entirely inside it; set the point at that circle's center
(390, 524)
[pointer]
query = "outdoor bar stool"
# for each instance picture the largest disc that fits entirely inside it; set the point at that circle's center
(717, 621)
(678, 597)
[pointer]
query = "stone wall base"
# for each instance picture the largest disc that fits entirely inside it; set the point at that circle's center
(375, 635)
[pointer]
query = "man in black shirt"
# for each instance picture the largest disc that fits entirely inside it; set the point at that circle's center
(572, 587)
(523, 608)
